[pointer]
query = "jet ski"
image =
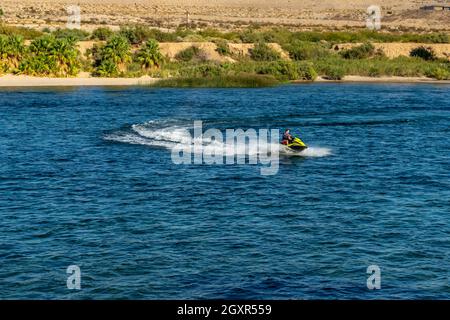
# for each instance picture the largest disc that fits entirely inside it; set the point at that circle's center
(296, 145)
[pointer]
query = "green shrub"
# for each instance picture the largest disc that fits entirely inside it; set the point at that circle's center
(149, 55)
(437, 38)
(193, 38)
(107, 68)
(26, 33)
(161, 36)
(286, 70)
(12, 50)
(262, 52)
(283, 70)
(373, 71)
(185, 32)
(222, 47)
(134, 70)
(111, 59)
(135, 34)
(363, 51)
(51, 56)
(102, 34)
(302, 50)
(368, 36)
(334, 72)
(211, 33)
(208, 70)
(38, 66)
(306, 71)
(76, 34)
(189, 70)
(439, 73)
(381, 66)
(191, 53)
(229, 81)
(423, 53)
(250, 36)
(278, 35)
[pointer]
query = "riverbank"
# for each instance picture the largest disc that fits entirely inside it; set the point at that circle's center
(229, 59)
(28, 81)
(391, 79)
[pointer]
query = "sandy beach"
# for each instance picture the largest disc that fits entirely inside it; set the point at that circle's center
(28, 81)
(392, 79)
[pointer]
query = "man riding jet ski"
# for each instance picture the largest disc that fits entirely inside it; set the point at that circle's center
(293, 143)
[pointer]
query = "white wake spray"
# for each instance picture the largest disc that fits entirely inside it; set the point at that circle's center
(166, 135)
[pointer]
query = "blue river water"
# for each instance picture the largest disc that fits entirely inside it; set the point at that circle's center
(87, 179)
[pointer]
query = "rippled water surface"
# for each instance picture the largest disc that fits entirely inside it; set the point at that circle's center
(86, 178)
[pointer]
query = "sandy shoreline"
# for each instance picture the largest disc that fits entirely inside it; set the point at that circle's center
(28, 81)
(387, 80)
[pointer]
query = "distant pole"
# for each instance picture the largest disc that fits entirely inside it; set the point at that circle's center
(187, 18)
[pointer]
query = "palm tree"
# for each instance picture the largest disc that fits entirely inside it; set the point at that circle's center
(112, 57)
(107, 69)
(67, 56)
(51, 56)
(12, 50)
(149, 55)
(117, 49)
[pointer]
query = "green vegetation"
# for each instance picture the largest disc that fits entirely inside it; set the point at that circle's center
(262, 52)
(134, 51)
(336, 67)
(222, 47)
(135, 34)
(51, 56)
(12, 50)
(231, 81)
(149, 55)
(102, 34)
(286, 70)
(26, 33)
(192, 53)
(364, 51)
(75, 34)
(284, 36)
(438, 73)
(333, 72)
(302, 50)
(110, 59)
(423, 53)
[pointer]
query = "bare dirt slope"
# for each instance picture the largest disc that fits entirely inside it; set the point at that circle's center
(171, 49)
(395, 49)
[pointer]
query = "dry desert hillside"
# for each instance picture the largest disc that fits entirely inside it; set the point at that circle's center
(302, 14)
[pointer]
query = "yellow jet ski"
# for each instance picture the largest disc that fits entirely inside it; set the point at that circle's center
(297, 144)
